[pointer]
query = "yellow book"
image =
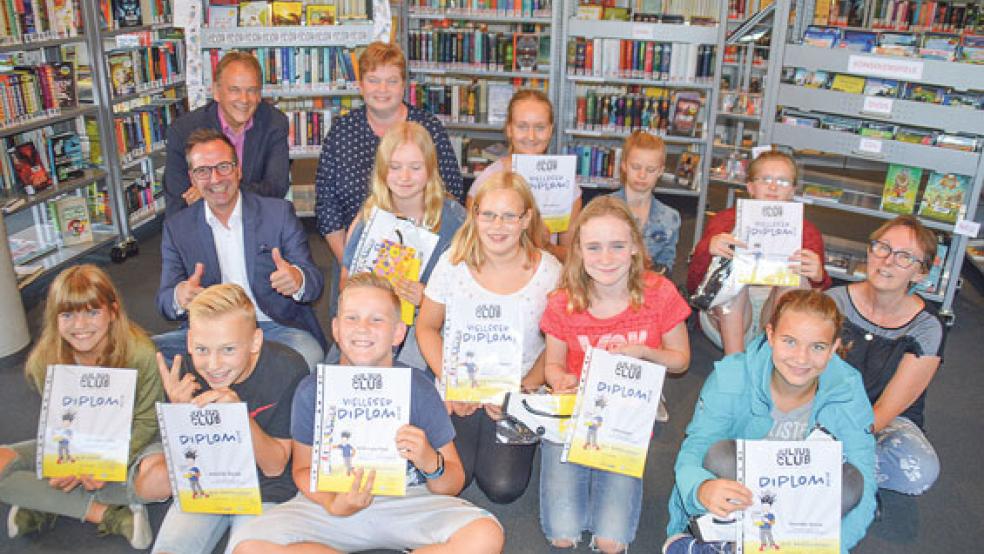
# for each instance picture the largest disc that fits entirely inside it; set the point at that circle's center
(254, 13)
(848, 83)
(286, 13)
(398, 261)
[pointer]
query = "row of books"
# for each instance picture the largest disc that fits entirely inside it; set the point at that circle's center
(882, 130)
(37, 159)
(477, 47)
(303, 65)
(675, 114)
(464, 100)
(119, 14)
(140, 194)
(889, 88)
(933, 46)
(902, 15)
(144, 129)
(612, 57)
(652, 11)
(519, 8)
(28, 92)
(943, 198)
(28, 20)
(310, 119)
(137, 69)
(262, 13)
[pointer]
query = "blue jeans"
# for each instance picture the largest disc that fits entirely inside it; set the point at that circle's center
(906, 462)
(574, 498)
(185, 533)
(175, 342)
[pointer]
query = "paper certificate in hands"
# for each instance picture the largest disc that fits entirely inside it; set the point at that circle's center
(84, 428)
(483, 349)
(796, 496)
(772, 232)
(210, 459)
(386, 247)
(552, 180)
(614, 413)
(357, 414)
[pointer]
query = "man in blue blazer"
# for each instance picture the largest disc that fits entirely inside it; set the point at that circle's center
(239, 237)
(257, 130)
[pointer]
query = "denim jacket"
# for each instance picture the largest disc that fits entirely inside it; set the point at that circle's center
(660, 232)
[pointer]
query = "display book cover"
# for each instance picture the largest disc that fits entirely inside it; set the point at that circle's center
(84, 427)
(901, 187)
(483, 349)
(552, 179)
(772, 232)
(393, 247)
(945, 196)
(358, 411)
(28, 167)
(614, 413)
(210, 461)
(796, 496)
(74, 223)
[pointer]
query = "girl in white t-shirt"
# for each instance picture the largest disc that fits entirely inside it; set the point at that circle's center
(495, 255)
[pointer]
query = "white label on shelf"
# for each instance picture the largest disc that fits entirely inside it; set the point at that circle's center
(127, 41)
(908, 70)
(967, 228)
(873, 146)
(642, 31)
(877, 105)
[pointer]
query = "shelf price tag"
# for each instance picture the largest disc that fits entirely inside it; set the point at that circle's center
(643, 31)
(870, 145)
(877, 105)
(967, 228)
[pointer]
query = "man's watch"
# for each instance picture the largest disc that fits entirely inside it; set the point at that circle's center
(437, 472)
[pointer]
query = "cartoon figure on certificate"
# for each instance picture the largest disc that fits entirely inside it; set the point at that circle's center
(765, 520)
(63, 436)
(594, 423)
(193, 474)
(471, 368)
(348, 452)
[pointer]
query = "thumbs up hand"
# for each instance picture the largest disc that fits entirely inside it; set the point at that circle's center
(188, 289)
(287, 279)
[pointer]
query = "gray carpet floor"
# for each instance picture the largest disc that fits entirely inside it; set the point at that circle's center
(948, 518)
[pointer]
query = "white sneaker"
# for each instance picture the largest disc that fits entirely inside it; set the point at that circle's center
(662, 415)
(143, 535)
(12, 529)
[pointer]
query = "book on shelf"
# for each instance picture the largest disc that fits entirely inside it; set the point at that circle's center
(687, 170)
(84, 427)
(320, 14)
(466, 46)
(821, 37)
(553, 183)
(74, 223)
(614, 413)
(847, 83)
(945, 196)
(222, 16)
(254, 13)
(931, 284)
(881, 87)
(858, 41)
(127, 13)
(972, 49)
(284, 12)
(772, 233)
(329, 67)
(518, 8)
(822, 192)
(483, 349)
(210, 459)
(357, 414)
(39, 18)
(897, 44)
(27, 166)
(121, 73)
(901, 186)
(622, 111)
(937, 46)
(685, 120)
(596, 163)
(28, 92)
(639, 59)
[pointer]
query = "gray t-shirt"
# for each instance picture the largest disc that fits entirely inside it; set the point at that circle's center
(791, 425)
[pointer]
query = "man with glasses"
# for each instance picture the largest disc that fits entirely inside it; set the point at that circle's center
(238, 237)
(257, 130)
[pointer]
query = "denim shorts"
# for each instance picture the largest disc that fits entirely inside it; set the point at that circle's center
(190, 533)
(574, 498)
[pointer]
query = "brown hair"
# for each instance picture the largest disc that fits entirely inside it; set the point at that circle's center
(204, 136)
(772, 155)
(925, 238)
(808, 301)
(78, 288)
(406, 132)
(219, 300)
(643, 141)
(576, 281)
(366, 279)
(244, 58)
(466, 246)
(381, 54)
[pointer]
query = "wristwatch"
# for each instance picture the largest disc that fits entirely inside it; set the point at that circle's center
(437, 472)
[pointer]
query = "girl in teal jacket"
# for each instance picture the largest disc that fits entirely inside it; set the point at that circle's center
(757, 394)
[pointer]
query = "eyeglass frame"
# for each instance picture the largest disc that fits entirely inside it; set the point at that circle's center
(213, 170)
(508, 218)
(894, 254)
(768, 180)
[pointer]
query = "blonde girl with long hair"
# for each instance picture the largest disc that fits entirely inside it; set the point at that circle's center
(85, 324)
(496, 255)
(607, 298)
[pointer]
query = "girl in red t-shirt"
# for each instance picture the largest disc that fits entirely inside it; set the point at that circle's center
(606, 299)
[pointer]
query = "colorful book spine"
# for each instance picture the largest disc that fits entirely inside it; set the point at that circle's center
(622, 112)
(640, 59)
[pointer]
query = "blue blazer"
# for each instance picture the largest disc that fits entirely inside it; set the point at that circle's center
(268, 223)
(266, 158)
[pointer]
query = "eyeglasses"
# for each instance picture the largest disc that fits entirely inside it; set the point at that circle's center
(203, 172)
(777, 181)
(508, 218)
(902, 258)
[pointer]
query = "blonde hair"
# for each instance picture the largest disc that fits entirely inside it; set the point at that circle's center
(381, 54)
(643, 141)
(755, 167)
(219, 300)
(925, 238)
(380, 196)
(367, 280)
(82, 287)
(466, 247)
(576, 282)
